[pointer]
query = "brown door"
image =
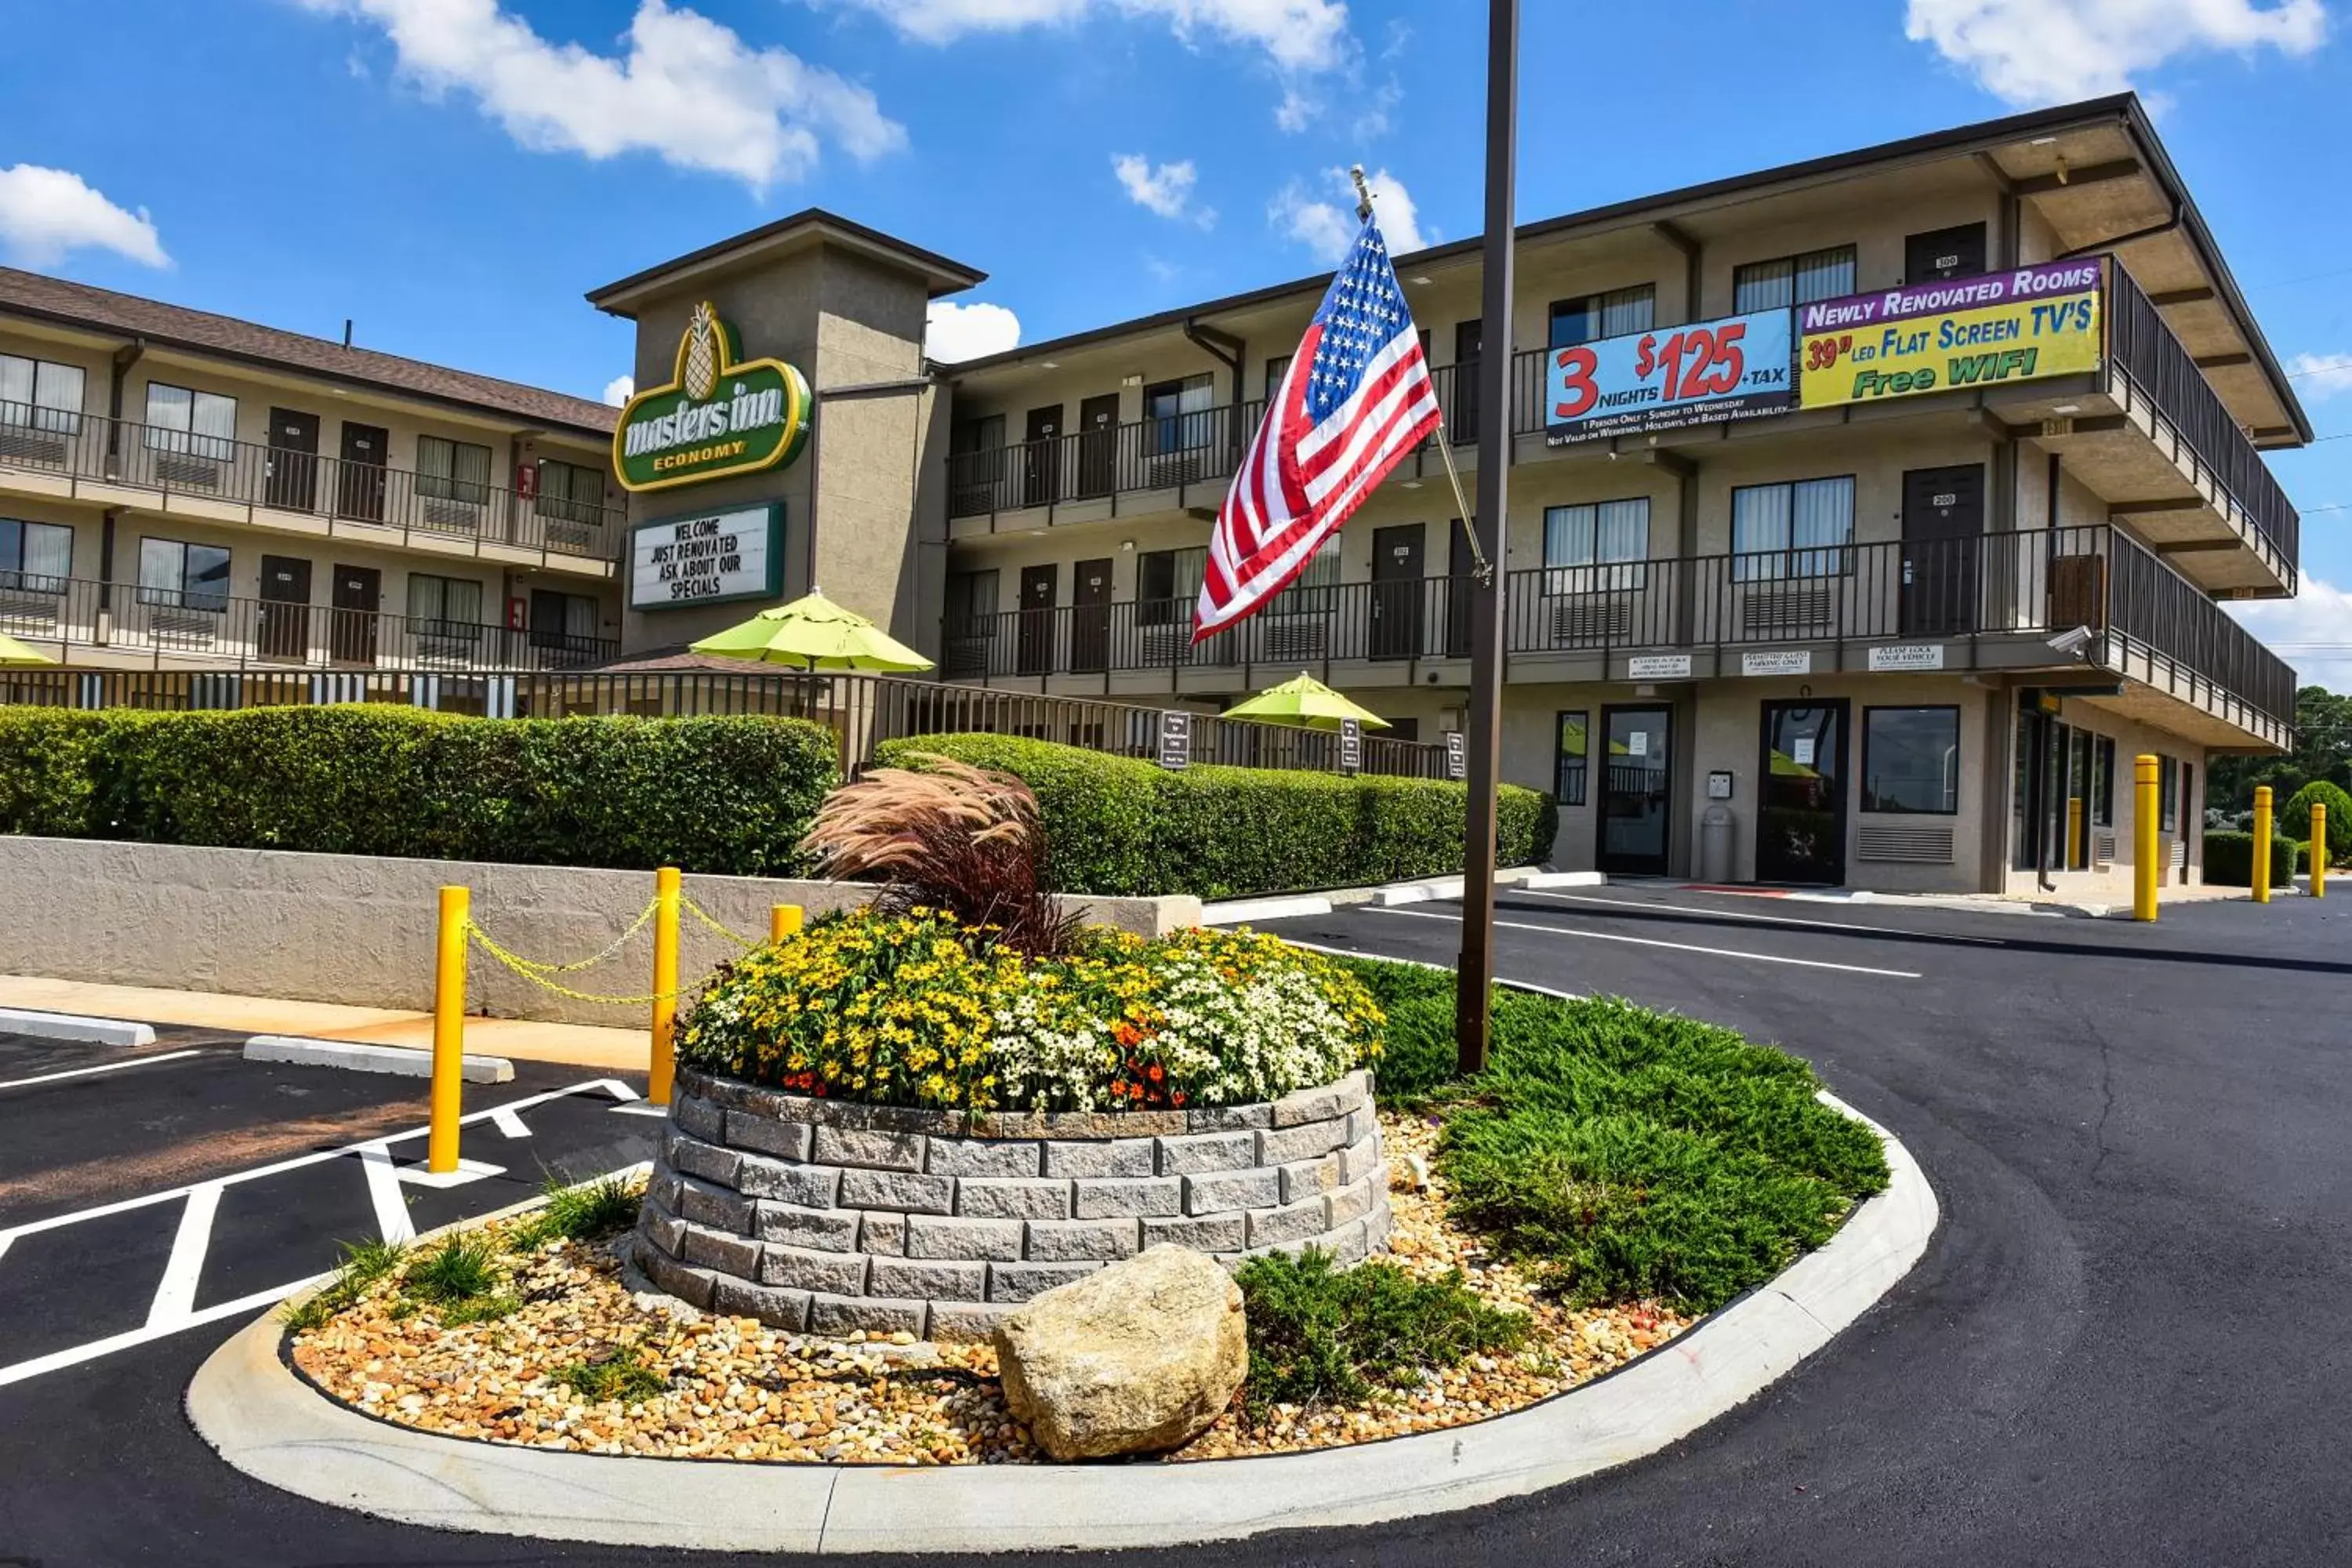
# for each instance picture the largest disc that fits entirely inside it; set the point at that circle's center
(359, 594)
(1957, 252)
(1035, 653)
(1396, 591)
(1468, 338)
(1090, 616)
(360, 477)
(1041, 456)
(1943, 530)
(293, 484)
(285, 628)
(1098, 445)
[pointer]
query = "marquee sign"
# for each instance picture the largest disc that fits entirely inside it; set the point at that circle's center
(706, 557)
(721, 415)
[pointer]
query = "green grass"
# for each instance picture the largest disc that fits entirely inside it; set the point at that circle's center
(460, 1271)
(619, 1378)
(578, 1213)
(364, 1263)
(1318, 1335)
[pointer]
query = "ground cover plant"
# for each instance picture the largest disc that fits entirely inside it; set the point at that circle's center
(1322, 1336)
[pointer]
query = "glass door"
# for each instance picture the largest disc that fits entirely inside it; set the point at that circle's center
(1636, 778)
(1801, 805)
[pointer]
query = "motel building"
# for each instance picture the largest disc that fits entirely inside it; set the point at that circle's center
(1868, 516)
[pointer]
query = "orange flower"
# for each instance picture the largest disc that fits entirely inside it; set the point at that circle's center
(1156, 1074)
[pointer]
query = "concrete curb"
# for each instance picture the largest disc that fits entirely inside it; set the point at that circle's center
(405, 1061)
(1238, 911)
(73, 1027)
(267, 1422)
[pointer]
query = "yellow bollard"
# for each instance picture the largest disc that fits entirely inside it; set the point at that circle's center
(2263, 844)
(2145, 809)
(448, 1034)
(664, 1059)
(2077, 855)
(783, 921)
(2319, 849)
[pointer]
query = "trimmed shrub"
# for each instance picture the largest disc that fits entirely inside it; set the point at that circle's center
(2230, 860)
(2296, 818)
(722, 795)
(1120, 826)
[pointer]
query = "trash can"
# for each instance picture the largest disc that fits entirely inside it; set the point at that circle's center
(1716, 831)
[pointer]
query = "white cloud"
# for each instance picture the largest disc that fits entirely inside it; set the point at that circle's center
(2047, 51)
(1372, 119)
(1295, 111)
(46, 213)
(1165, 188)
(952, 332)
(1328, 228)
(1298, 35)
(686, 88)
(620, 389)
(2312, 631)
(2321, 376)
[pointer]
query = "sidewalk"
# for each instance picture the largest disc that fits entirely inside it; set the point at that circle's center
(519, 1039)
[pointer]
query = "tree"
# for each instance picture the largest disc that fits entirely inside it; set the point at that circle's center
(2322, 750)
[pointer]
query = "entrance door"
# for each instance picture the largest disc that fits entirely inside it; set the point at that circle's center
(1943, 530)
(1458, 568)
(1636, 784)
(1396, 591)
(1041, 456)
(1098, 445)
(1035, 653)
(1469, 338)
(1090, 617)
(1957, 252)
(285, 628)
(359, 594)
(293, 484)
(358, 479)
(1801, 802)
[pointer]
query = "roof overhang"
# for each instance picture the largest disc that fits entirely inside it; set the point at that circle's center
(804, 230)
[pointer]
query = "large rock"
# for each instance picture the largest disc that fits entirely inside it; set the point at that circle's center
(1140, 1357)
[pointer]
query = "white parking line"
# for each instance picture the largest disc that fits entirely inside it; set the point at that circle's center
(103, 1067)
(391, 1221)
(1765, 919)
(508, 1122)
(1444, 968)
(132, 1337)
(1652, 941)
(175, 1298)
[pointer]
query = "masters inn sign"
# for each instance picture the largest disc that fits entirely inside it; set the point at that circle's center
(719, 416)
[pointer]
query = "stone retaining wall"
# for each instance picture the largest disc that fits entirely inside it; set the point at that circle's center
(830, 1217)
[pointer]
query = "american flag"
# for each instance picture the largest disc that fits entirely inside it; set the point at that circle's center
(1356, 399)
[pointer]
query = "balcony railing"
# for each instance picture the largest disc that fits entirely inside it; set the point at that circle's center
(177, 462)
(1929, 590)
(62, 617)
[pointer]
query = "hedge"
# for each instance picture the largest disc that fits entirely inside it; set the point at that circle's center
(1119, 825)
(729, 795)
(2296, 819)
(2230, 859)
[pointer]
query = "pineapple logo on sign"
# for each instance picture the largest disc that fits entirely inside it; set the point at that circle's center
(719, 415)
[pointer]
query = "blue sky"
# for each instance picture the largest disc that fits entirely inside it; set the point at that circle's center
(453, 174)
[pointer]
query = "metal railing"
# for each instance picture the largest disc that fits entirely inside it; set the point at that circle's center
(2152, 605)
(63, 616)
(177, 462)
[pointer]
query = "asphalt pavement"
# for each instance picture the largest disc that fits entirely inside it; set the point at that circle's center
(2125, 1345)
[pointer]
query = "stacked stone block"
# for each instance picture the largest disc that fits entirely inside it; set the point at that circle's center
(830, 1218)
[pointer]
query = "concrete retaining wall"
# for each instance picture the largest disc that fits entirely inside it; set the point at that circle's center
(831, 1217)
(358, 929)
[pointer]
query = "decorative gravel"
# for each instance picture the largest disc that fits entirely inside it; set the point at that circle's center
(739, 1390)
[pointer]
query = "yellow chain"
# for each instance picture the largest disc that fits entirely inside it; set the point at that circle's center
(698, 912)
(537, 973)
(535, 966)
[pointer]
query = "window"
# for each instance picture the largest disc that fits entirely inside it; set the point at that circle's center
(971, 604)
(34, 557)
(2167, 795)
(1167, 581)
(1911, 760)
(1788, 280)
(1176, 415)
(570, 490)
(1316, 590)
(194, 424)
(558, 620)
(1568, 782)
(1580, 540)
(2103, 782)
(1792, 531)
(982, 434)
(456, 470)
(37, 395)
(445, 606)
(1596, 316)
(1275, 369)
(176, 576)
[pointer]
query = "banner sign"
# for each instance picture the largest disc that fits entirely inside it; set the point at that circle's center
(1704, 374)
(707, 558)
(2020, 325)
(719, 414)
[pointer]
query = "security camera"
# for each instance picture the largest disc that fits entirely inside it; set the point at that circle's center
(2072, 643)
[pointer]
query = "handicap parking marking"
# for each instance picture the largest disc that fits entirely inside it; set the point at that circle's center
(1584, 934)
(1701, 913)
(148, 1061)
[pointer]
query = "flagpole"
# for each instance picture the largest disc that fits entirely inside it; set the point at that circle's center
(1475, 972)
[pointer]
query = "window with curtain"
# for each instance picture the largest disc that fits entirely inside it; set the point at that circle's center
(1316, 590)
(2103, 780)
(573, 492)
(1592, 317)
(452, 471)
(1275, 369)
(971, 604)
(1176, 414)
(2167, 795)
(40, 394)
(191, 422)
(34, 557)
(1167, 583)
(445, 606)
(560, 620)
(1598, 548)
(1799, 529)
(1911, 761)
(178, 576)
(1568, 784)
(1788, 280)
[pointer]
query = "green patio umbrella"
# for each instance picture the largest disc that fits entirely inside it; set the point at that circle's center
(14, 655)
(813, 633)
(1306, 703)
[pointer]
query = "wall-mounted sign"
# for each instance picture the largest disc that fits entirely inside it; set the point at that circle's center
(1718, 784)
(1658, 666)
(707, 558)
(1175, 738)
(719, 414)
(1778, 661)
(1457, 756)
(2004, 327)
(1351, 745)
(1703, 373)
(1909, 655)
